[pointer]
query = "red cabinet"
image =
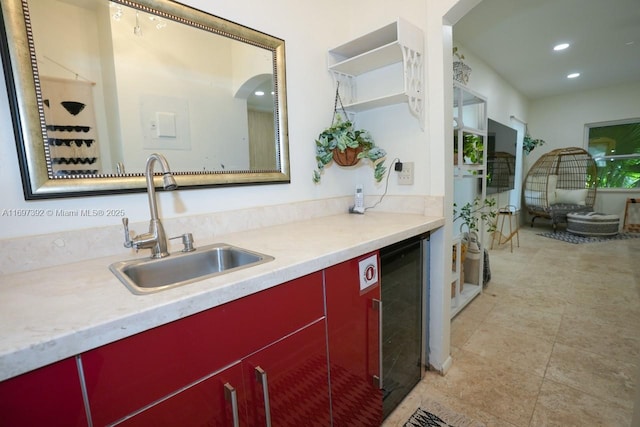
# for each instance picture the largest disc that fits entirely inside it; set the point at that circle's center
(216, 401)
(289, 381)
(49, 396)
(262, 356)
(128, 375)
(353, 327)
(286, 381)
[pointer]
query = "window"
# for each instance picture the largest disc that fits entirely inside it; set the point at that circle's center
(615, 146)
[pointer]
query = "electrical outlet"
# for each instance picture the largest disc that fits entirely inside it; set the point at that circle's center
(405, 177)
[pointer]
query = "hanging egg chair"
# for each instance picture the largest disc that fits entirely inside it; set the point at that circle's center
(560, 182)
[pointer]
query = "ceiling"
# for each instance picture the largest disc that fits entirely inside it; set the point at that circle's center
(516, 39)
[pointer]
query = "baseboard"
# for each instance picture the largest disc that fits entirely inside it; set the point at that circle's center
(442, 370)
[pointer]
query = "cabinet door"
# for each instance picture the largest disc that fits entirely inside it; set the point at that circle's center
(216, 401)
(49, 396)
(353, 325)
(288, 381)
(134, 372)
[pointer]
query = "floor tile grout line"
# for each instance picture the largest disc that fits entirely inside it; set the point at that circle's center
(569, 299)
(544, 378)
(546, 369)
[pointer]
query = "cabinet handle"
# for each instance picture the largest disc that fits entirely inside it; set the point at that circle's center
(231, 395)
(377, 305)
(261, 377)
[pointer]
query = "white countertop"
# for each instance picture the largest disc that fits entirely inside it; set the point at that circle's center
(53, 313)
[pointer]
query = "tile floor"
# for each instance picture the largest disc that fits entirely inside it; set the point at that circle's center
(554, 340)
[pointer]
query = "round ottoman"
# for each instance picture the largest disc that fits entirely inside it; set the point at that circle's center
(592, 224)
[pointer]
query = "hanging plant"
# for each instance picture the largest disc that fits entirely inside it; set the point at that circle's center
(529, 143)
(345, 145)
(461, 71)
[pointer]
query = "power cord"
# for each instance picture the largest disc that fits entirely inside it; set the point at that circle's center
(386, 186)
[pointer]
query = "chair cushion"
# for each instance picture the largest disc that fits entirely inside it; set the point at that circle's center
(573, 197)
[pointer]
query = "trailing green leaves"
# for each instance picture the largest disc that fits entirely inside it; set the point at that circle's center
(472, 213)
(529, 143)
(340, 136)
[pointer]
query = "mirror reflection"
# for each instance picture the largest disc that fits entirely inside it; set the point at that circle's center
(120, 83)
(95, 86)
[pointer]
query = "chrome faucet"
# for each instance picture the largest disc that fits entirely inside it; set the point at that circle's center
(155, 239)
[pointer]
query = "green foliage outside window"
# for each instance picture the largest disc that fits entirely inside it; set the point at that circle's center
(616, 149)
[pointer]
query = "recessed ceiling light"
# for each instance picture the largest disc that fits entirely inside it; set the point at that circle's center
(259, 93)
(573, 75)
(561, 46)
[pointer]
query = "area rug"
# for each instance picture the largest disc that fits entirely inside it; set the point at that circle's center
(574, 238)
(433, 414)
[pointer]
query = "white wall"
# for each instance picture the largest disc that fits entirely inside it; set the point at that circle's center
(309, 29)
(169, 70)
(503, 103)
(82, 37)
(441, 16)
(503, 100)
(561, 121)
(304, 27)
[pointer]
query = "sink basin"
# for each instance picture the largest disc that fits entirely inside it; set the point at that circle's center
(143, 276)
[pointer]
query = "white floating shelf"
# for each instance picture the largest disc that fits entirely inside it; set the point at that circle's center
(383, 101)
(398, 42)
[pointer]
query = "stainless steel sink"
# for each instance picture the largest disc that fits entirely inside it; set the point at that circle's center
(143, 276)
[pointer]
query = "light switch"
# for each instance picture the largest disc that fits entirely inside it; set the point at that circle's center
(165, 125)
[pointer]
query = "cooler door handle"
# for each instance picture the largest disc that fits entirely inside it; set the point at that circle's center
(377, 305)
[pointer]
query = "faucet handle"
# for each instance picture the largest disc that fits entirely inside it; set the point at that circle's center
(127, 237)
(187, 241)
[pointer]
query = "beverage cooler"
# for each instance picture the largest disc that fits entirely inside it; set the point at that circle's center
(405, 317)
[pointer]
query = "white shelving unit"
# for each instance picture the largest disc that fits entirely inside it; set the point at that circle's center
(470, 118)
(381, 68)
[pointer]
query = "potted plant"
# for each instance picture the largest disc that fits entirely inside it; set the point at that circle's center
(345, 145)
(472, 148)
(473, 212)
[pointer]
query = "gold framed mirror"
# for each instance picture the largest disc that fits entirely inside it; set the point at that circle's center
(95, 86)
